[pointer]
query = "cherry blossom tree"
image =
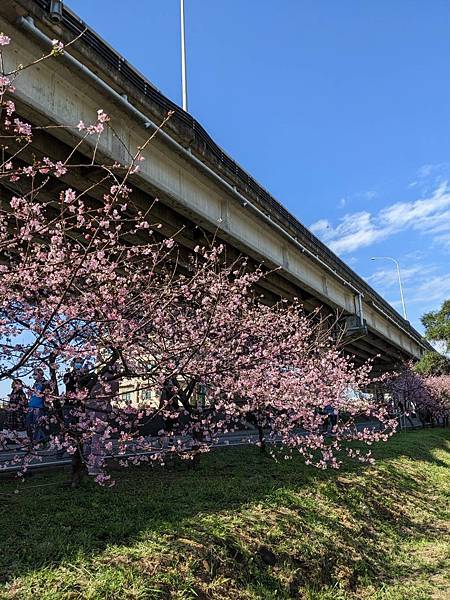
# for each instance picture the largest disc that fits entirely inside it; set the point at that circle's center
(427, 397)
(92, 292)
(439, 387)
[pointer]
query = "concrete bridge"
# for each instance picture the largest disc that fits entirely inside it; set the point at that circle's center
(200, 188)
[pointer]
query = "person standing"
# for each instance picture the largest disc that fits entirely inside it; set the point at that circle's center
(72, 401)
(98, 413)
(36, 407)
(15, 421)
(334, 420)
(169, 404)
(331, 419)
(79, 381)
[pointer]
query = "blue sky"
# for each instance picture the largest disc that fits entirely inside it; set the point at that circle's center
(340, 109)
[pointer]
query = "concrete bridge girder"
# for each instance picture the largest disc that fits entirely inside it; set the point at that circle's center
(47, 94)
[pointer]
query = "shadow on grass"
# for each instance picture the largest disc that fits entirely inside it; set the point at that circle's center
(46, 523)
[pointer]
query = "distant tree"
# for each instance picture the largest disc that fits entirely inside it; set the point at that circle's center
(433, 363)
(410, 394)
(439, 388)
(437, 324)
(427, 397)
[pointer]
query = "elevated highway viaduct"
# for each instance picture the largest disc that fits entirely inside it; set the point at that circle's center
(199, 187)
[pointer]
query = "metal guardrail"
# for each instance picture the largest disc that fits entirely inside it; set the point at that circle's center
(46, 460)
(243, 438)
(117, 63)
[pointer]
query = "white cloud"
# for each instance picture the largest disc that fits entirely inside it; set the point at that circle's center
(320, 227)
(431, 174)
(426, 170)
(423, 287)
(355, 231)
(414, 255)
(433, 289)
(417, 213)
(444, 240)
(429, 215)
(388, 277)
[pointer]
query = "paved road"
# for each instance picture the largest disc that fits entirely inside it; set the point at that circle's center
(48, 459)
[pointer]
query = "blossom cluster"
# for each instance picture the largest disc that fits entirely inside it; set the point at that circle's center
(426, 397)
(97, 292)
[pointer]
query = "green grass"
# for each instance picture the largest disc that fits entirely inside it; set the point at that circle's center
(379, 532)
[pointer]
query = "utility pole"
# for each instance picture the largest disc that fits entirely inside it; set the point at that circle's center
(183, 59)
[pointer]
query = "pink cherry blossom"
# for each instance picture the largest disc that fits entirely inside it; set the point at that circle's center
(69, 195)
(60, 169)
(101, 295)
(102, 117)
(57, 46)
(10, 107)
(22, 128)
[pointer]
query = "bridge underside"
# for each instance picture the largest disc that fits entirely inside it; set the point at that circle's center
(361, 346)
(194, 203)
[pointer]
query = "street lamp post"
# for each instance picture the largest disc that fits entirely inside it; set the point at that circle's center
(183, 58)
(399, 279)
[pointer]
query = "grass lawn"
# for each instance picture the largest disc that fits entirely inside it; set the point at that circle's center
(240, 527)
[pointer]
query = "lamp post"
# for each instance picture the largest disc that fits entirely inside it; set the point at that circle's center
(183, 58)
(399, 279)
